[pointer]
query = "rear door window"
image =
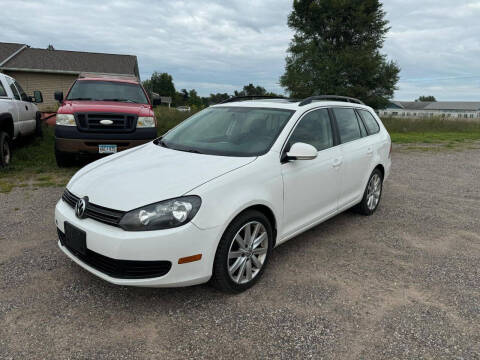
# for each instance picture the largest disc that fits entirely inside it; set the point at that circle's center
(347, 124)
(3, 92)
(370, 122)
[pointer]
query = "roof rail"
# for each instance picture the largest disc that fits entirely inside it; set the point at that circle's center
(251, 97)
(330, 97)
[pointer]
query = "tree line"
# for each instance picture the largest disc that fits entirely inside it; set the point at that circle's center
(335, 50)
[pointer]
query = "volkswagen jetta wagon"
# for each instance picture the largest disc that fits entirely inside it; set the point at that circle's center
(209, 200)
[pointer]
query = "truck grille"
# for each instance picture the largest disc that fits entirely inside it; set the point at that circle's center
(95, 212)
(120, 269)
(121, 123)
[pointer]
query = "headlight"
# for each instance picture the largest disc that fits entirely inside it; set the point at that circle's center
(65, 120)
(145, 121)
(162, 215)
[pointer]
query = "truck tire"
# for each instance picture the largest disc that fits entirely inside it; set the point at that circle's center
(5, 149)
(63, 159)
(38, 126)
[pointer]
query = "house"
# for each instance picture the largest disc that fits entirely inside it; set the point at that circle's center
(443, 109)
(50, 70)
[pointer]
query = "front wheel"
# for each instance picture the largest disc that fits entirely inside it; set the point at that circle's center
(372, 195)
(5, 149)
(63, 159)
(243, 252)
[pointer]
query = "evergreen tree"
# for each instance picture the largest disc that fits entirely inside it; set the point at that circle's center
(336, 51)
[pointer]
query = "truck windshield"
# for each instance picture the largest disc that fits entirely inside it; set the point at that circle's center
(228, 131)
(107, 91)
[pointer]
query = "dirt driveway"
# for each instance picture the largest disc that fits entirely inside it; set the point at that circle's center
(404, 283)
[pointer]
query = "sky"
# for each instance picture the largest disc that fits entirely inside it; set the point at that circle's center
(219, 46)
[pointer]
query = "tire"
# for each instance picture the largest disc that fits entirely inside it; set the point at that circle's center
(63, 159)
(372, 195)
(248, 260)
(5, 149)
(38, 126)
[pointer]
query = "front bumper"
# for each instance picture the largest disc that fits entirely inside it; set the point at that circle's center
(69, 139)
(163, 245)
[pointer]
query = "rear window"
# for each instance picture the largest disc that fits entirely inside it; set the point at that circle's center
(370, 122)
(3, 92)
(347, 124)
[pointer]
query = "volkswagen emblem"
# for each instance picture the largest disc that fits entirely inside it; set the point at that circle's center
(80, 207)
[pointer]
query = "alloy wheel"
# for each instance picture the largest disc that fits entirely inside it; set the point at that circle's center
(374, 191)
(248, 252)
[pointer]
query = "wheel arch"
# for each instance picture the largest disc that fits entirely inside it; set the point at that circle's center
(6, 124)
(264, 209)
(381, 168)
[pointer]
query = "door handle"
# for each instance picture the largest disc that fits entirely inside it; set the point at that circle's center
(26, 107)
(337, 162)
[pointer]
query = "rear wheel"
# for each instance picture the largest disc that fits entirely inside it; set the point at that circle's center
(5, 149)
(372, 195)
(38, 126)
(243, 252)
(63, 159)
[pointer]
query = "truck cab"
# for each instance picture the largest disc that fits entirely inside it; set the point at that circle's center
(101, 116)
(19, 115)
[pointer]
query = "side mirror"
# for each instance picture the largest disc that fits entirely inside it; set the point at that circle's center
(302, 151)
(37, 97)
(59, 96)
(156, 100)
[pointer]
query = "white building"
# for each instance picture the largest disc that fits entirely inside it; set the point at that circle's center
(444, 109)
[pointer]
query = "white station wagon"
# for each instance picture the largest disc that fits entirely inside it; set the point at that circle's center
(210, 199)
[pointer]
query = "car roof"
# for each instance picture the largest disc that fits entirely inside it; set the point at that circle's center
(289, 104)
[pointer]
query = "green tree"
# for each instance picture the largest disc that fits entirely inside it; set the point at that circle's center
(426, 98)
(336, 50)
(161, 84)
(194, 99)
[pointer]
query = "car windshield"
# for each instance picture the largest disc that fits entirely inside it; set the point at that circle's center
(228, 131)
(107, 91)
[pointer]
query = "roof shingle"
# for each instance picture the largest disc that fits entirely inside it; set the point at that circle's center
(7, 49)
(72, 61)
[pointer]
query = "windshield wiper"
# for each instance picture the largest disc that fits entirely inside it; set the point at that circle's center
(190, 151)
(80, 99)
(162, 143)
(121, 100)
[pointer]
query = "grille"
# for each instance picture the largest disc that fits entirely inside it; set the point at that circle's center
(95, 212)
(120, 269)
(90, 122)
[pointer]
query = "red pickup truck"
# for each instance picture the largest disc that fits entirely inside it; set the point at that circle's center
(102, 116)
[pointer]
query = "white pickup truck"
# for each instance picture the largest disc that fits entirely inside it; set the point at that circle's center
(19, 116)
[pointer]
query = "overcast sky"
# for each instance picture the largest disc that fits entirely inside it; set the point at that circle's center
(221, 45)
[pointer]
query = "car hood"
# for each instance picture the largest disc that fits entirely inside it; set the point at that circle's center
(71, 107)
(147, 174)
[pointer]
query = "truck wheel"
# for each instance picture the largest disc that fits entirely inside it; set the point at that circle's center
(38, 126)
(63, 159)
(5, 149)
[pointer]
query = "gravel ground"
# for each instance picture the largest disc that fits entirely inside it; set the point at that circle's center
(404, 283)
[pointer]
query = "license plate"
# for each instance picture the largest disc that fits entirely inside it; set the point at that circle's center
(107, 149)
(75, 238)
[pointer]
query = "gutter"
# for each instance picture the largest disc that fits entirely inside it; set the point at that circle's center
(12, 56)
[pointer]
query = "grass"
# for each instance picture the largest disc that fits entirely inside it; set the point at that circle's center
(34, 163)
(432, 130)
